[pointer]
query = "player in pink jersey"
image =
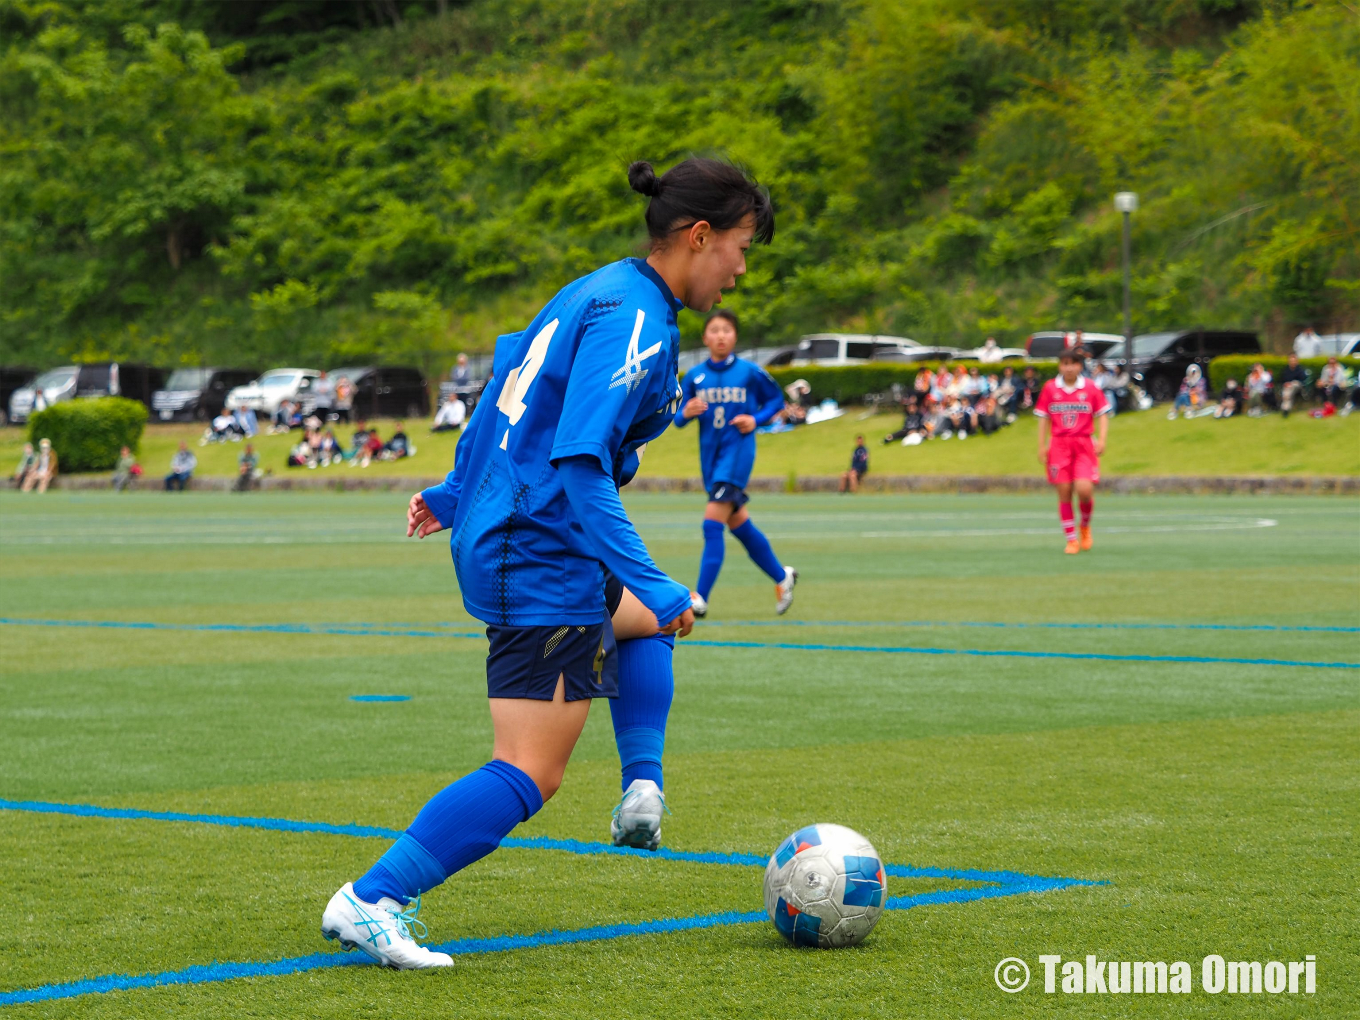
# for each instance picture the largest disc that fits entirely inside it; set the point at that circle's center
(1068, 408)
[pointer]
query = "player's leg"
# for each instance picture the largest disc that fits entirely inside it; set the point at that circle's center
(715, 522)
(762, 554)
(1086, 503)
(541, 681)
(639, 713)
(1065, 515)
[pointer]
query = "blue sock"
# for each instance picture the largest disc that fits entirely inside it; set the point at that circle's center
(758, 548)
(712, 559)
(462, 823)
(646, 685)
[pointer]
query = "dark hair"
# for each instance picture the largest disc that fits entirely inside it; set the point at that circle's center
(701, 189)
(1077, 353)
(723, 313)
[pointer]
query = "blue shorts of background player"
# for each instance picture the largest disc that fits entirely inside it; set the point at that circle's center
(730, 398)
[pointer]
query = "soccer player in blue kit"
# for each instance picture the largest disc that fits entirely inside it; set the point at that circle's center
(730, 398)
(535, 520)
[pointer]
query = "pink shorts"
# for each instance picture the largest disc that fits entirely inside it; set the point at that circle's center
(1071, 458)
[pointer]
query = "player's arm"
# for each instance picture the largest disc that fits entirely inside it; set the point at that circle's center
(769, 394)
(596, 505)
(690, 405)
(1044, 439)
(598, 410)
(432, 509)
(1102, 430)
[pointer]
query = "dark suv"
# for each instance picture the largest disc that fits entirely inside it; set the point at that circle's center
(1160, 359)
(381, 392)
(197, 394)
(12, 378)
(102, 379)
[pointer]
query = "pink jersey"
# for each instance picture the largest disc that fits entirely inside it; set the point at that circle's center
(1070, 412)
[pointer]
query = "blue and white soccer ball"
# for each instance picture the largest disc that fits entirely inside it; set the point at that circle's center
(825, 886)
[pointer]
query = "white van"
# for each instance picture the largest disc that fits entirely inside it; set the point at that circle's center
(266, 393)
(853, 348)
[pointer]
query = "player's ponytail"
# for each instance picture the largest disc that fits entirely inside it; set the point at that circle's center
(701, 189)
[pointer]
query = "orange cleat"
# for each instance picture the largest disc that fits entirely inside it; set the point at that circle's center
(1072, 548)
(1086, 538)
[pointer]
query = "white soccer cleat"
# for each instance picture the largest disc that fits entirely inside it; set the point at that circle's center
(381, 930)
(637, 819)
(698, 605)
(783, 591)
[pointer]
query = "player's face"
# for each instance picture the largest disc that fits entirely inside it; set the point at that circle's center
(717, 263)
(1070, 371)
(720, 338)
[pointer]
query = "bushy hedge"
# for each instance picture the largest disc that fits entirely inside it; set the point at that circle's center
(1236, 366)
(848, 384)
(87, 434)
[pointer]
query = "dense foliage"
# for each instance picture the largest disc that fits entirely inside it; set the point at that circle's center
(88, 434)
(1237, 366)
(276, 181)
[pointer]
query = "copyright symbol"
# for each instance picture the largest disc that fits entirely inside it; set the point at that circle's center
(1011, 974)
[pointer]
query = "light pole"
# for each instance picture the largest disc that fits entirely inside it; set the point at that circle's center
(1126, 202)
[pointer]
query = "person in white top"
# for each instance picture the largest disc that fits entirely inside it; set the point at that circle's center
(451, 415)
(990, 352)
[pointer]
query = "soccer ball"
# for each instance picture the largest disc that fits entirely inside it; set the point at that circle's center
(825, 887)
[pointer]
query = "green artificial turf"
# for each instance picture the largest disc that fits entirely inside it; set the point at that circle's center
(1218, 801)
(1143, 443)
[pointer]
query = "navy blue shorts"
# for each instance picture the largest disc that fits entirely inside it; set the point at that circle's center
(726, 492)
(613, 592)
(525, 662)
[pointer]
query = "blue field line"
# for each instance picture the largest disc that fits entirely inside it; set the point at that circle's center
(298, 628)
(1007, 625)
(380, 697)
(991, 653)
(999, 884)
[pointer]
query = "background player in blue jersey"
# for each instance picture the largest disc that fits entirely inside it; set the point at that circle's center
(533, 511)
(730, 398)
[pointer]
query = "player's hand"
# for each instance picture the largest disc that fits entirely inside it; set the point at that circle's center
(1098, 445)
(681, 625)
(695, 406)
(1043, 457)
(420, 521)
(744, 423)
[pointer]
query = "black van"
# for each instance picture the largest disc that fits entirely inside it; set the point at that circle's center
(383, 392)
(197, 394)
(1160, 359)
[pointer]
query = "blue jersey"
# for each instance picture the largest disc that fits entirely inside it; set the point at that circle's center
(731, 387)
(593, 376)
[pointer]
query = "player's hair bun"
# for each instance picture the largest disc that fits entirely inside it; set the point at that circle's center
(642, 178)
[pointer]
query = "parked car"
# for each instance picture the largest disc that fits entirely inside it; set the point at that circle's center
(265, 394)
(849, 348)
(1050, 343)
(101, 379)
(1328, 345)
(771, 357)
(1160, 359)
(921, 354)
(387, 392)
(197, 394)
(13, 378)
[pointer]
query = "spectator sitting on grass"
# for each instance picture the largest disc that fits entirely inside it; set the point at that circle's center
(357, 442)
(985, 417)
(1333, 385)
(1192, 394)
(182, 466)
(912, 423)
(1027, 391)
(300, 455)
(450, 416)
(126, 471)
(972, 387)
(859, 467)
(44, 468)
(246, 422)
(247, 469)
(953, 419)
(1258, 385)
(1292, 381)
(27, 460)
(922, 385)
(329, 452)
(1231, 402)
(398, 446)
(373, 445)
(222, 428)
(1006, 394)
(283, 417)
